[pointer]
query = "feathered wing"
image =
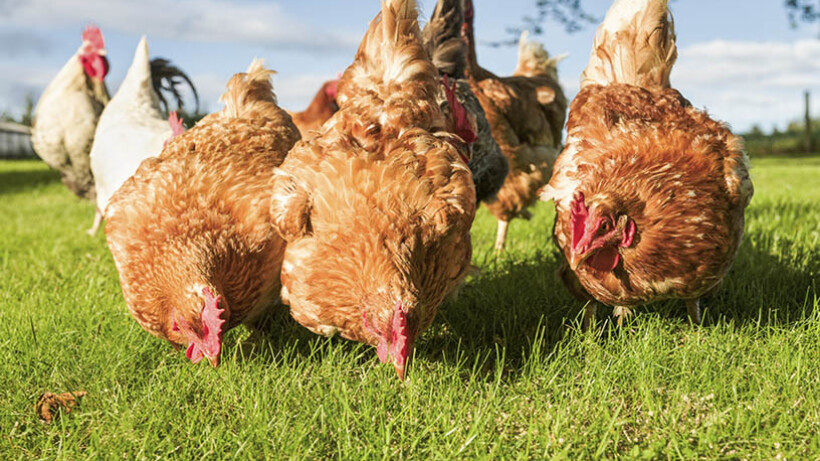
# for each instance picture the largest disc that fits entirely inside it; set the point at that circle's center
(442, 38)
(635, 45)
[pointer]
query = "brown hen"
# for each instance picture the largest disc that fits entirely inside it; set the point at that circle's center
(649, 192)
(526, 114)
(320, 109)
(377, 207)
(190, 232)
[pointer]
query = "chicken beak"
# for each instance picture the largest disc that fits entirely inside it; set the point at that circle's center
(400, 364)
(399, 370)
(214, 361)
(576, 259)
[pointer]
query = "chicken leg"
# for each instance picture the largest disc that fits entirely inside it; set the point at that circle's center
(501, 236)
(98, 217)
(693, 309)
(590, 312)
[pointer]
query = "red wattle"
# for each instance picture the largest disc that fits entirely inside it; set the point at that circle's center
(194, 354)
(381, 351)
(605, 259)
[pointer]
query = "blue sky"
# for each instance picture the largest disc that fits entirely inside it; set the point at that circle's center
(738, 58)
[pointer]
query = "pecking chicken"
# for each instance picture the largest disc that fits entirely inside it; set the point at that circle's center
(446, 48)
(68, 111)
(649, 192)
(190, 231)
(526, 113)
(320, 109)
(376, 208)
(133, 126)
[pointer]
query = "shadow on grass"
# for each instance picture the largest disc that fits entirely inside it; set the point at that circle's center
(773, 282)
(21, 180)
(277, 334)
(518, 303)
(510, 306)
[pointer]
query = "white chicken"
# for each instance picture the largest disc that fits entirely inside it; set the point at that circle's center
(67, 113)
(133, 126)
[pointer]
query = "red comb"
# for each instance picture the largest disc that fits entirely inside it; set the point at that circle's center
(211, 330)
(211, 321)
(331, 88)
(578, 215)
(93, 35)
(176, 124)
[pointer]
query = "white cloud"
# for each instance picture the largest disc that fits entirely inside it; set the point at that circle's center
(213, 21)
(749, 82)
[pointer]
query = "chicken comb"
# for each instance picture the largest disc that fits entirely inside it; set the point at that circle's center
(177, 128)
(578, 214)
(94, 37)
(211, 320)
(211, 329)
(332, 88)
(462, 128)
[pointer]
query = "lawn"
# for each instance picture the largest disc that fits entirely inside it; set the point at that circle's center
(504, 372)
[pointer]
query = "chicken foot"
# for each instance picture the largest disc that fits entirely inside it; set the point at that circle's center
(620, 313)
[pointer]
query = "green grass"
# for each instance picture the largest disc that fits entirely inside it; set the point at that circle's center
(503, 373)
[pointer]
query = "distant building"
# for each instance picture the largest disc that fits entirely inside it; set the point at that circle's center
(15, 141)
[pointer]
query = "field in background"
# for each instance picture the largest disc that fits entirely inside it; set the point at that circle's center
(503, 373)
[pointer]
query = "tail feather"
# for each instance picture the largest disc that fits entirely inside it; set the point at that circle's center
(248, 88)
(635, 45)
(391, 51)
(533, 59)
(442, 38)
(166, 78)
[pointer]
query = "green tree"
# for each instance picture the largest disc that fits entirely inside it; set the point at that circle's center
(26, 117)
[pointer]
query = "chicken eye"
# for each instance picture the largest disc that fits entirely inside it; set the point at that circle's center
(605, 226)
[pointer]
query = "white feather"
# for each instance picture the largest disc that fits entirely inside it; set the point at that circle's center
(131, 128)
